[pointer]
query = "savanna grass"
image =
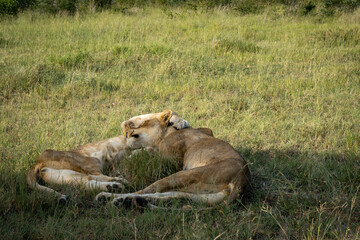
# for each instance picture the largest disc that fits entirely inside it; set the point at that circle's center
(284, 91)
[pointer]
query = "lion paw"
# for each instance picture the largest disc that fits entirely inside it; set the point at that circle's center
(115, 187)
(129, 201)
(103, 197)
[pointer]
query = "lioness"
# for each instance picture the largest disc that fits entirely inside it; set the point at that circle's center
(83, 165)
(212, 170)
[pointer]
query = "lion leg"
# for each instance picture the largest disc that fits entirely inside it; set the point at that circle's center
(210, 183)
(206, 179)
(66, 176)
(229, 176)
(176, 181)
(105, 186)
(209, 198)
(104, 178)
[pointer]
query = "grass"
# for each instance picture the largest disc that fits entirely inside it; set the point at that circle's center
(284, 91)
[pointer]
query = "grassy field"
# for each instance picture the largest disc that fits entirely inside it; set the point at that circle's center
(283, 90)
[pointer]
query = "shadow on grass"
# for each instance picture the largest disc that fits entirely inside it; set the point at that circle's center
(292, 171)
(292, 194)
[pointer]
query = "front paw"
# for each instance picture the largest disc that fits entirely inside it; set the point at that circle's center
(120, 198)
(130, 201)
(103, 197)
(181, 124)
(122, 201)
(115, 187)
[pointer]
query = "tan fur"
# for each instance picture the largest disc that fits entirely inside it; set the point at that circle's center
(83, 165)
(212, 170)
(175, 121)
(80, 166)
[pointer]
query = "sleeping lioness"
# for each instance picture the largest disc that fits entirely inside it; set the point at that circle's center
(83, 165)
(212, 170)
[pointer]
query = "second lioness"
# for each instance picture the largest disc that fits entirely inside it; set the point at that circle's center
(212, 170)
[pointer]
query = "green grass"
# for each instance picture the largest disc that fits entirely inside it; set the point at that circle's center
(284, 91)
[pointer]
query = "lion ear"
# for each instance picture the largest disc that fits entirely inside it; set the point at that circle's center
(127, 125)
(165, 117)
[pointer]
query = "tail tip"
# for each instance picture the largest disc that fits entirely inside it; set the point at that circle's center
(62, 200)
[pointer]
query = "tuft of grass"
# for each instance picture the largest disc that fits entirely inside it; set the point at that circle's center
(25, 80)
(338, 37)
(73, 60)
(157, 50)
(122, 50)
(236, 45)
